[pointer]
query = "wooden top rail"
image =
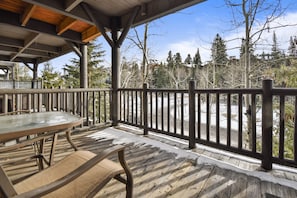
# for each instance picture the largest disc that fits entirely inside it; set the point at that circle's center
(37, 91)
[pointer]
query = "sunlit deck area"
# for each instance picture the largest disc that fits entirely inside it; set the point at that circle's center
(167, 168)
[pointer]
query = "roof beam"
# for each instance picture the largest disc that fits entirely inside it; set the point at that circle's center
(90, 34)
(27, 14)
(28, 41)
(65, 25)
(18, 59)
(38, 26)
(16, 43)
(71, 4)
(75, 49)
(70, 10)
(27, 52)
(98, 23)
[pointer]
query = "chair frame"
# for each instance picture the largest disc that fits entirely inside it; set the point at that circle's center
(9, 191)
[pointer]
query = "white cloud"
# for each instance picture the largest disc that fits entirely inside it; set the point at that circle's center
(233, 40)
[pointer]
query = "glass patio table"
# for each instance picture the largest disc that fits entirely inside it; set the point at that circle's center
(41, 125)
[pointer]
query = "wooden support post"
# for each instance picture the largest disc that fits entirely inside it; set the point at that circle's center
(35, 76)
(83, 78)
(267, 125)
(115, 75)
(84, 66)
(192, 142)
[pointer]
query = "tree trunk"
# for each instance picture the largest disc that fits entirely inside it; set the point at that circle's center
(247, 77)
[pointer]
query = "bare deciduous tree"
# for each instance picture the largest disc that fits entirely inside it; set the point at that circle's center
(250, 14)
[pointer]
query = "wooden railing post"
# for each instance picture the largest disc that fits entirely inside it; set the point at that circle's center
(267, 122)
(144, 110)
(192, 143)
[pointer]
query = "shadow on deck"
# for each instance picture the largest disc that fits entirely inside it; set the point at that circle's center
(163, 170)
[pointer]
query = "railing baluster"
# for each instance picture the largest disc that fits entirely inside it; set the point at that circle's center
(207, 116)
(168, 112)
(240, 121)
(182, 114)
(156, 110)
(175, 113)
(281, 127)
(254, 124)
(145, 109)
(218, 118)
(228, 119)
(162, 111)
(121, 104)
(136, 107)
(192, 121)
(29, 102)
(105, 107)
(151, 108)
(94, 107)
(125, 102)
(132, 107)
(199, 116)
(295, 131)
(99, 107)
(86, 107)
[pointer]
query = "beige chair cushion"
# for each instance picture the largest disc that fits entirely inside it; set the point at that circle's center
(82, 185)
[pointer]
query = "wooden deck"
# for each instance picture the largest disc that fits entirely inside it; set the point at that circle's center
(167, 169)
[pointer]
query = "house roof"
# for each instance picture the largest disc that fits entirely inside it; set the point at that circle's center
(35, 31)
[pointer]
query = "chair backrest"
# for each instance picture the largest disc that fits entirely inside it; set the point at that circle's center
(6, 185)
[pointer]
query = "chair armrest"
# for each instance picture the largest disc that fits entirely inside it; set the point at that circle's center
(6, 185)
(75, 173)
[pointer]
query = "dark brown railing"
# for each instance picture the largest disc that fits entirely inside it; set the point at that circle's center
(218, 118)
(92, 104)
(212, 117)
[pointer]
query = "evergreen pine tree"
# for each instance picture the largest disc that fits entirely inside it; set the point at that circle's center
(292, 47)
(97, 74)
(197, 59)
(51, 79)
(219, 58)
(188, 60)
(177, 60)
(170, 62)
(275, 52)
(219, 51)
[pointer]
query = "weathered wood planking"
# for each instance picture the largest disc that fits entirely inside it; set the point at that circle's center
(158, 173)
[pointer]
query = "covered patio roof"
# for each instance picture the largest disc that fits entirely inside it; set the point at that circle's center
(35, 31)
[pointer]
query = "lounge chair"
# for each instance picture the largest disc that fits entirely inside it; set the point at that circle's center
(81, 174)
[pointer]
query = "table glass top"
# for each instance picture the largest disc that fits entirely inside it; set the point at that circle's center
(34, 120)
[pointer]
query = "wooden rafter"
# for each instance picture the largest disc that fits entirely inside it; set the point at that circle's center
(90, 34)
(65, 25)
(27, 14)
(71, 4)
(71, 21)
(28, 41)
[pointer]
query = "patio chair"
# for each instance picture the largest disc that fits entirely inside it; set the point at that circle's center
(81, 174)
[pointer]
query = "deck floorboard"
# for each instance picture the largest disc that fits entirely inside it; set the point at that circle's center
(157, 172)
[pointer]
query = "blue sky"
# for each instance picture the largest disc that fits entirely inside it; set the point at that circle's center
(196, 27)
